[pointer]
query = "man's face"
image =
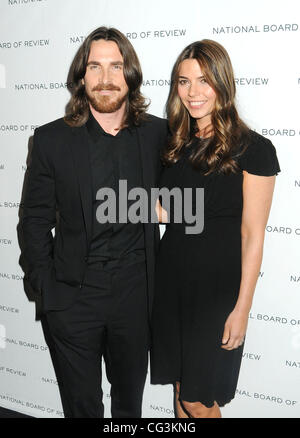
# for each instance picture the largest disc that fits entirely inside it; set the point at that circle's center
(104, 81)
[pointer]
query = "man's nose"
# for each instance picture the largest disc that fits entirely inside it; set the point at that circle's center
(105, 76)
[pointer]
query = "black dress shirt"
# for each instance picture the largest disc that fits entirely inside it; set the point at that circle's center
(114, 158)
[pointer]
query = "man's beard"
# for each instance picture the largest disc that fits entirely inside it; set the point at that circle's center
(105, 104)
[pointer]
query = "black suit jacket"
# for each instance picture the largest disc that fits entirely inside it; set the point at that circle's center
(58, 194)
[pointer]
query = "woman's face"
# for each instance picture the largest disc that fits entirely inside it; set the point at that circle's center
(195, 93)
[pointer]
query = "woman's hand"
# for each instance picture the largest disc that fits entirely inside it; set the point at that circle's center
(235, 329)
(162, 215)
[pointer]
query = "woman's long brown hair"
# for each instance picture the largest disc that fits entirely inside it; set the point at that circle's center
(77, 109)
(229, 132)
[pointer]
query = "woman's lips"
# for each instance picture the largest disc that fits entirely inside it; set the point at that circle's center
(197, 104)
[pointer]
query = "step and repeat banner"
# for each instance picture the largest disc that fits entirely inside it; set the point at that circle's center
(38, 40)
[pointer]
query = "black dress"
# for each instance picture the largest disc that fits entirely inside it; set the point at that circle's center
(198, 279)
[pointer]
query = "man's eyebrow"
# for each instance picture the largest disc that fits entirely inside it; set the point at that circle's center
(93, 62)
(99, 63)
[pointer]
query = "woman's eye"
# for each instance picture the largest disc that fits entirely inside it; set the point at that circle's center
(183, 82)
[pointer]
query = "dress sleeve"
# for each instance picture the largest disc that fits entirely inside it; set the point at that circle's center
(260, 157)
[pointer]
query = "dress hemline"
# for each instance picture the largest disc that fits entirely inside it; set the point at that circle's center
(221, 402)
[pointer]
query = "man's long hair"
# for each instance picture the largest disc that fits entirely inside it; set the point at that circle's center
(77, 109)
(229, 132)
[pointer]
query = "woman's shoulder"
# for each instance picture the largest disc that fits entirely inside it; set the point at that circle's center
(258, 155)
(258, 140)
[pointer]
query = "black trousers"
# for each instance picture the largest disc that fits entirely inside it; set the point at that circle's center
(110, 321)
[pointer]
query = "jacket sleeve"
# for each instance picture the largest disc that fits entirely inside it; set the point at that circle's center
(165, 134)
(37, 216)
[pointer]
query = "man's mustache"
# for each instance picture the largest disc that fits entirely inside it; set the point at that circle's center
(110, 87)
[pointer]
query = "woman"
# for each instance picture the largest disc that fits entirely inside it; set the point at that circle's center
(205, 282)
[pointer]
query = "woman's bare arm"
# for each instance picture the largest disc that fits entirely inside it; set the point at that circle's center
(257, 199)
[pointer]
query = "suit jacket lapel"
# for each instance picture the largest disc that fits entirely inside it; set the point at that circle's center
(146, 153)
(80, 151)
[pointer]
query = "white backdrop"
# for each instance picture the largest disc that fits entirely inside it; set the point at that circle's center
(38, 40)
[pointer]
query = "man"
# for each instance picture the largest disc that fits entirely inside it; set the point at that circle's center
(95, 279)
